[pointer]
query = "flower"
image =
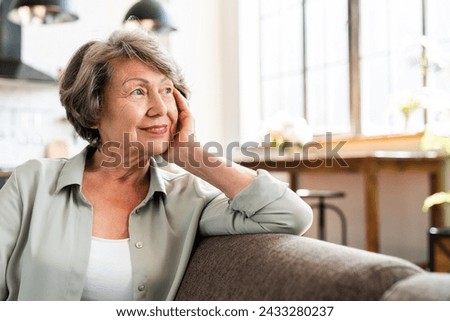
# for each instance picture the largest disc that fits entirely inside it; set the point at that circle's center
(287, 131)
(431, 141)
(409, 105)
(435, 199)
(408, 101)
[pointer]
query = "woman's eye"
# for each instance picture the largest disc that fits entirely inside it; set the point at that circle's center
(137, 92)
(167, 90)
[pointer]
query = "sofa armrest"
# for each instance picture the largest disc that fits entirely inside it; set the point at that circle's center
(287, 267)
(421, 287)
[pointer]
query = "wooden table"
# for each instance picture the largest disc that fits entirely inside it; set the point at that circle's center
(370, 164)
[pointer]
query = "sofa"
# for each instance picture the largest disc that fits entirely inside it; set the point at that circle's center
(279, 267)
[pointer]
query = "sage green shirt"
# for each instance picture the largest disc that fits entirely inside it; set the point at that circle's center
(46, 227)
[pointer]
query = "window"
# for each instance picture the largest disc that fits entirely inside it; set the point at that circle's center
(327, 100)
(390, 54)
(345, 65)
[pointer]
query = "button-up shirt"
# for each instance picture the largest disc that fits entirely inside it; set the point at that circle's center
(46, 226)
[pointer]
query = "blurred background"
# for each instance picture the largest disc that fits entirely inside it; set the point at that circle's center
(374, 73)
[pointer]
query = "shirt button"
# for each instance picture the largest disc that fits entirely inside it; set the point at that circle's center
(138, 245)
(141, 287)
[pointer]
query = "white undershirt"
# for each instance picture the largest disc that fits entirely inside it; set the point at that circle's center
(109, 273)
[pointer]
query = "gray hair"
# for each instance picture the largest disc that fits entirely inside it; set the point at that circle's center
(89, 70)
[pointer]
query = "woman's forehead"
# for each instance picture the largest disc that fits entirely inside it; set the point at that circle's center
(126, 68)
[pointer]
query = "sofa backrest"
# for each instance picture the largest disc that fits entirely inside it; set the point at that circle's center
(287, 267)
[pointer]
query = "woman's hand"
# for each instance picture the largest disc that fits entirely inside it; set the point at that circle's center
(187, 153)
(183, 143)
(186, 122)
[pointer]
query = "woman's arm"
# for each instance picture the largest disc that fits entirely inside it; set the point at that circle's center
(253, 202)
(265, 206)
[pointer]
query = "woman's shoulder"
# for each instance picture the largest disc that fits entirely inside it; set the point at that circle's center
(41, 164)
(51, 166)
(35, 174)
(38, 169)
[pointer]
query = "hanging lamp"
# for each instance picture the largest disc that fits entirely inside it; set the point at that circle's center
(151, 15)
(40, 12)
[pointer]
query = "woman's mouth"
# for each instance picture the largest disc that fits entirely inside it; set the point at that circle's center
(157, 130)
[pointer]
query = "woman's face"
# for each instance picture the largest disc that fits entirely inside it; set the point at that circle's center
(139, 110)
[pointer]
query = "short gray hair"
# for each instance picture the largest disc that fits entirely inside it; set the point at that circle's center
(89, 70)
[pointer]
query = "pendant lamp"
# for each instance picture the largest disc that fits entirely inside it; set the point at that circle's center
(40, 12)
(151, 15)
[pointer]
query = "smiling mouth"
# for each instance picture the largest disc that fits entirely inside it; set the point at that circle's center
(157, 130)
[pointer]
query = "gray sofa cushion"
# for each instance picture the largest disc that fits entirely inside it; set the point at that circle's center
(422, 287)
(288, 267)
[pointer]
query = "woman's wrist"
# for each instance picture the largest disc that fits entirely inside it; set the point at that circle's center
(225, 175)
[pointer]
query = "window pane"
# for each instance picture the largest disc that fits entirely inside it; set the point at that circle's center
(270, 46)
(281, 57)
(328, 99)
(270, 7)
(438, 73)
(270, 97)
(292, 92)
(438, 43)
(327, 65)
(291, 38)
(390, 63)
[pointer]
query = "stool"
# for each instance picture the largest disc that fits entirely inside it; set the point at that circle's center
(439, 251)
(322, 195)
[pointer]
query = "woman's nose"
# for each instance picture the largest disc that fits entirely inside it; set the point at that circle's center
(156, 106)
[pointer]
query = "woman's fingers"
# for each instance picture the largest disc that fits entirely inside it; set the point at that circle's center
(181, 101)
(185, 119)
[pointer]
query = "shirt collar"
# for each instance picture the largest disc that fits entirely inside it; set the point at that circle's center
(156, 180)
(72, 171)
(72, 174)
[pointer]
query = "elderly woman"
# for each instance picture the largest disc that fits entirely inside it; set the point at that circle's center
(115, 222)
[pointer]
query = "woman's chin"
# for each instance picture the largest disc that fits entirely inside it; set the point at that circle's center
(157, 148)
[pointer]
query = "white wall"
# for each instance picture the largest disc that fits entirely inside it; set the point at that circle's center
(196, 47)
(205, 47)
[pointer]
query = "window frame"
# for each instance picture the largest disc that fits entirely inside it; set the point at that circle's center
(355, 108)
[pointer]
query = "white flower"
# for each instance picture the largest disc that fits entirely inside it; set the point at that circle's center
(282, 127)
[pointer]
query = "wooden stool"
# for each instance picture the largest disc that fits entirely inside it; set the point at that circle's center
(322, 195)
(439, 251)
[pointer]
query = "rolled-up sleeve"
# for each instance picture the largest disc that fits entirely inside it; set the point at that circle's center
(265, 206)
